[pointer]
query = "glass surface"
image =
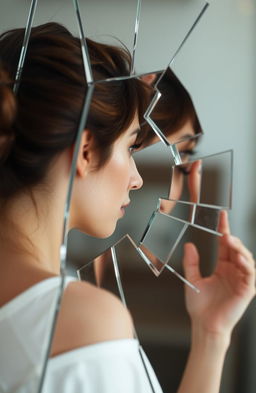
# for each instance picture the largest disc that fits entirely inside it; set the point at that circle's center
(163, 233)
(180, 210)
(170, 111)
(168, 30)
(205, 217)
(162, 236)
(212, 180)
(100, 272)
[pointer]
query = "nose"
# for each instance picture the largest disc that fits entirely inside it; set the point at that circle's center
(136, 181)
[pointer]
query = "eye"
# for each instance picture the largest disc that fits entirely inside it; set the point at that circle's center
(188, 152)
(134, 147)
(185, 169)
(185, 154)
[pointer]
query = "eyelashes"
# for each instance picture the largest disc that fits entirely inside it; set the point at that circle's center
(185, 169)
(188, 153)
(134, 147)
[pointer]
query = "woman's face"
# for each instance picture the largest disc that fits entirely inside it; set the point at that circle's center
(185, 149)
(101, 197)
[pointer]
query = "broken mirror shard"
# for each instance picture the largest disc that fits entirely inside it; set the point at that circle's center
(151, 194)
(204, 217)
(104, 271)
(136, 32)
(172, 110)
(25, 43)
(166, 31)
(208, 180)
(53, 311)
(162, 235)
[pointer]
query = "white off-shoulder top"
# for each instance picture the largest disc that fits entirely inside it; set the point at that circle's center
(107, 367)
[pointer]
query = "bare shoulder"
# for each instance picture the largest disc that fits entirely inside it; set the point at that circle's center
(89, 315)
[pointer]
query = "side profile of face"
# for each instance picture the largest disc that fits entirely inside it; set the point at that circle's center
(101, 195)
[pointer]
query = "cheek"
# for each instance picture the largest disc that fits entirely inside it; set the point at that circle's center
(119, 171)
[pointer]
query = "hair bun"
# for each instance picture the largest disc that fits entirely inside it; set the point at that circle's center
(7, 115)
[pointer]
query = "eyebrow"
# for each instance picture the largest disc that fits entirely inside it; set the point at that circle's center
(189, 138)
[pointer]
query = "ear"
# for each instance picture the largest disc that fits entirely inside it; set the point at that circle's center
(149, 78)
(85, 153)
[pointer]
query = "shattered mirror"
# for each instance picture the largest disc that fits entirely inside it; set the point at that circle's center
(162, 215)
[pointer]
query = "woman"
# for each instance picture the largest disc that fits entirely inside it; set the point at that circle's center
(93, 347)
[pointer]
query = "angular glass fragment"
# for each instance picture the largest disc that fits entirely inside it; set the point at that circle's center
(175, 24)
(162, 236)
(205, 217)
(209, 180)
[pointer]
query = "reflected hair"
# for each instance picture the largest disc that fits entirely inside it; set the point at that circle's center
(174, 108)
(42, 120)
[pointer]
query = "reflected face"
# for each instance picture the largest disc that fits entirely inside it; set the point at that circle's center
(105, 192)
(185, 149)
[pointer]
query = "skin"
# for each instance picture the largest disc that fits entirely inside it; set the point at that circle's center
(106, 190)
(224, 297)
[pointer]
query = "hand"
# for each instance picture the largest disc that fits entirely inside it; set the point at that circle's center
(225, 294)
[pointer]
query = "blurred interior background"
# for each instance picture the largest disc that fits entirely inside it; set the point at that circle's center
(217, 66)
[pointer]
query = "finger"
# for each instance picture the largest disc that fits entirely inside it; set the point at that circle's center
(191, 263)
(236, 246)
(223, 227)
(247, 270)
(194, 181)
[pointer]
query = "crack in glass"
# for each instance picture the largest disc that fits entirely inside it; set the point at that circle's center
(167, 224)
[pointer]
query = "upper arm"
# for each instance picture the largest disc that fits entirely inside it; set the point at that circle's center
(89, 315)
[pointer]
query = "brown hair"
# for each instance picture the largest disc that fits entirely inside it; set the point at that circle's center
(42, 120)
(174, 108)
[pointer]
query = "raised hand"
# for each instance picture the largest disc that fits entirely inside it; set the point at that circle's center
(225, 294)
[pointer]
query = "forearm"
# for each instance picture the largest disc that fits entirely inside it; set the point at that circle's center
(205, 363)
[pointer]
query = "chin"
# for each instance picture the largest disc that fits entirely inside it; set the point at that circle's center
(99, 231)
(103, 233)
(106, 234)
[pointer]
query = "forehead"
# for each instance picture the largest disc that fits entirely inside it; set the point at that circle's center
(186, 131)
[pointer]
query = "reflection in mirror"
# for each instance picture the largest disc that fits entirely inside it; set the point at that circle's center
(162, 236)
(206, 181)
(174, 118)
(181, 210)
(205, 217)
(176, 115)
